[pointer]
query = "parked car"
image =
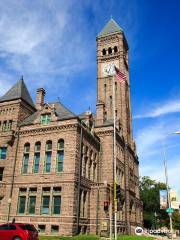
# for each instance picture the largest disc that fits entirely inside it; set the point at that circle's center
(18, 231)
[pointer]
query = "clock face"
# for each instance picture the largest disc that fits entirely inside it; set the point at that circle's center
(108, 70)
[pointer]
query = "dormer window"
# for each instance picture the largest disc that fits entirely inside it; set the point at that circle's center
(45, 118)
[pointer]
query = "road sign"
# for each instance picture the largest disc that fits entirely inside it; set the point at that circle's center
(169, 210)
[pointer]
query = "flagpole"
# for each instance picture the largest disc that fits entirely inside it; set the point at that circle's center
(114, 156)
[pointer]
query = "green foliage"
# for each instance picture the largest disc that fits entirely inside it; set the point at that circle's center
(79, 237)
(176, 220)
(127, 237)
(91, 237)
(149, 193)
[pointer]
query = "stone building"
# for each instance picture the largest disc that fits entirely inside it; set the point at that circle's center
(56, 167)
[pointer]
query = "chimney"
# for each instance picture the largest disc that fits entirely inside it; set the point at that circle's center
(40, 98)
(100, 113)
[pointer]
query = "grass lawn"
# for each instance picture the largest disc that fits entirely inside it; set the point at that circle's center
(90, 237)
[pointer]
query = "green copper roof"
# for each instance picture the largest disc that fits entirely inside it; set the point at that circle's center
(109, 28)
(18, 91)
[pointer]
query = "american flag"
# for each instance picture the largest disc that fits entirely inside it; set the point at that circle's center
(119, 75)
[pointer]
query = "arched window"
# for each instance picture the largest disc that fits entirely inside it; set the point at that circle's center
(116, 86)
(37, 150)
(85, 161)
(110, 50)
(110, 102)
(60, 155)
(91, 165)
(26, 158)
(94, 167)
(104, 52)
(115, 49)
(105, 87)
(48, 154)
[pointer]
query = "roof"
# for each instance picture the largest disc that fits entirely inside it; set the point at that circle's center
(110, 28)
(83, 114)
(18, 91)
(61, 111)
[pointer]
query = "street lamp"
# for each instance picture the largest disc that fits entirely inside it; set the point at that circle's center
(178, 132)
(167, 185)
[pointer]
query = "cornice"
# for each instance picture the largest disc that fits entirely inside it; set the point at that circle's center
(48, 129)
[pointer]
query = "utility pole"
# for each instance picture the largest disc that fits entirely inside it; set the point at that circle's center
(168, 193)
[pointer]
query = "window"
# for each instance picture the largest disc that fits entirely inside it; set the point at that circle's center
(85, 161)
(49, 145)
(45, 118)
(105, 90)
(56, 205)
(21, 204)
(42, 228)
(12, 227)
(60, 155)
(28, 227)
(36, 162)
(4, 227)
(26, 158)
(33, 190)
(110, 50)
(90, 166)
(84, 204)
(45, 205)
(1, 198)
(1, 173)
(85, 166)
(37, 147)
(48, 154)
(26, 148)
(116, 86)
(104, 52)
(31, 204)
(54, 229)
(37, 157)
(46, 189)
(3, 152)
(4, 127)
(9, 125)
(115, 49)
(56, 189)
(94, 171)
(47, 167)
(110, 102)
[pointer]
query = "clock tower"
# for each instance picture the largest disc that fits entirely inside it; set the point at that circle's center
(112, 49)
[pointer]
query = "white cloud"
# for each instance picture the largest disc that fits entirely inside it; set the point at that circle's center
(172, 106)
(150, 138)
(156, 171)
(5, 82)
(43, 38)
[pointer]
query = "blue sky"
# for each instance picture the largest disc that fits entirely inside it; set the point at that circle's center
(53, 45)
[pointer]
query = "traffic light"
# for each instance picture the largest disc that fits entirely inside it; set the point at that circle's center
(106, 206)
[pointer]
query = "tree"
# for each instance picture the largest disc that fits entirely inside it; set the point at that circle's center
(176, 220)
(153, 216)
